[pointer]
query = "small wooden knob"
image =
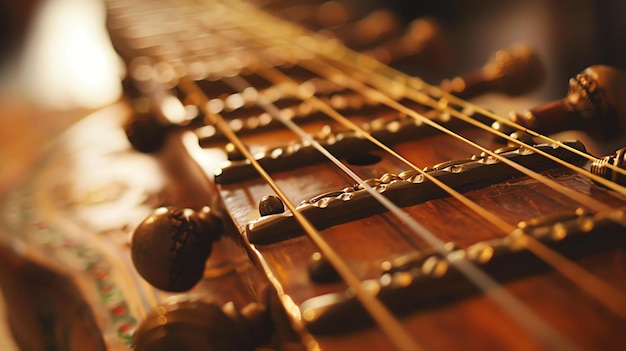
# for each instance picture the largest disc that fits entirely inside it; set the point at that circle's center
(594, 103)
(170, 247)
(145, 133)
(196, 324)
(513, 72)
(270, 205)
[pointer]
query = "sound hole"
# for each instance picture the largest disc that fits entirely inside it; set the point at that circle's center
(364, 159)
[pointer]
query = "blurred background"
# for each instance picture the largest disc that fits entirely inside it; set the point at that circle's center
(55, 52)
(568, 34)
(57, 64)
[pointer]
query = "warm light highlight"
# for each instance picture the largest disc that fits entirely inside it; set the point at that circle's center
(69, 61)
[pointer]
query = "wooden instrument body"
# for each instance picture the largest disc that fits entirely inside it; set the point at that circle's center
(471, 321)
(69, 222)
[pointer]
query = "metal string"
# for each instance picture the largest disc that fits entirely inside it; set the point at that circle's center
(400, 85)
(388, 323)
(365, 185)
(603, 292)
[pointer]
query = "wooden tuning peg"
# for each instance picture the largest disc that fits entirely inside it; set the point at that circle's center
(375, 27)
(156, 110)
(595, 103)
(144, 133)
(513, 72)
(148, 127)
(423, 39)
(195, 324)
(170, 247)
(314, 15)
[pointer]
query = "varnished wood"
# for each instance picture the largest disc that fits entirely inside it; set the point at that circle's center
(275, 277)
(382, 237)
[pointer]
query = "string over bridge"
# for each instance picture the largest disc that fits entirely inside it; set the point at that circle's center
(599, 166)
(404, 189)
(423, 279)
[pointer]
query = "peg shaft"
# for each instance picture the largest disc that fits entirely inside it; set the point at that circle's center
(513, 72)
(594, 103)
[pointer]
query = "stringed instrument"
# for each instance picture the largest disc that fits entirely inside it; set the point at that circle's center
(270, 188)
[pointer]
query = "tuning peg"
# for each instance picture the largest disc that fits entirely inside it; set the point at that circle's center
(314, 15)
(513, 72)
(377, 26)
(594, 103)
(157, 111)
(422, 39)
(170, 247)
(148, 127)
(144, 133)
(196, 324)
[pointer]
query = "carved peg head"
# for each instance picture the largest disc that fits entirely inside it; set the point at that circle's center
(170, 247)
(594, 103)
(598, 94)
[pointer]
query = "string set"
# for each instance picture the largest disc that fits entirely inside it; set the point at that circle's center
(586, 281)
(384, 85)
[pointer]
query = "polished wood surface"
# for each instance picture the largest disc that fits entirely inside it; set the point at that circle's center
(470, 322)
(67, 220)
